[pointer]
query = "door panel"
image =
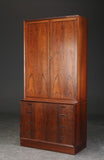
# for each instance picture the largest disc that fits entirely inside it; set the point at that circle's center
(36, 59)
(66, 123)
(63, 70)
(52, 123)
(39, 119)
(45, 122)
(26, 120)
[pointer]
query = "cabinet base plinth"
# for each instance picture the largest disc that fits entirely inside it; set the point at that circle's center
(70, 149)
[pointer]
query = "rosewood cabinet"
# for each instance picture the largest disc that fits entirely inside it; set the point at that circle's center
(54, 108)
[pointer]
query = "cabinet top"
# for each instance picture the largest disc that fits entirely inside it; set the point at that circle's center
(50, 18)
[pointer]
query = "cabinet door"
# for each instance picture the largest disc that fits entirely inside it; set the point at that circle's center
(66, 124)
(53, 123)
(26, 120)
(39, 120)
(45, 122)
(63, 63)
(36, 59)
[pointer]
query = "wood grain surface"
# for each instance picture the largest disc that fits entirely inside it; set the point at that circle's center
(54, 108)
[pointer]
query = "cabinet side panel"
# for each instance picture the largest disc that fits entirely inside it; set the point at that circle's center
(82, 58)
(36, 39)
(21, 118)
(81, 123)
(77, 124)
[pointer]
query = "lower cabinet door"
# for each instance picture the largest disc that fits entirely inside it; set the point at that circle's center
(48, 122)
(39, 120)
(26, 120)
(45, 122)
(66, 124)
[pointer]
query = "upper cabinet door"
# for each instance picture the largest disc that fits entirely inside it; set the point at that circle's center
(36, 48)
(63, 62)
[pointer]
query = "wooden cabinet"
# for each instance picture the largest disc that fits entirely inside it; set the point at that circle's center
(54, 110)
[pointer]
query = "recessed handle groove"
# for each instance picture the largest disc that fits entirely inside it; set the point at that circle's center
(63, 106)
(62, 126)
(62, 138)
(63, 115)
(29, 133)
(29, 112)
(29, 122)
(29, 103)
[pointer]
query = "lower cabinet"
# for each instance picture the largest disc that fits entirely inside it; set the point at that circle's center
(57, 127)
(48, 122)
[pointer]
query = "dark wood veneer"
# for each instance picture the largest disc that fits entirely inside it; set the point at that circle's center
(54, 108)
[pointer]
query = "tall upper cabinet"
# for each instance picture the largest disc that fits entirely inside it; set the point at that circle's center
(54, 108)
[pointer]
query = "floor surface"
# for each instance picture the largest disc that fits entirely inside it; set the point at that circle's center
(10, 148)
